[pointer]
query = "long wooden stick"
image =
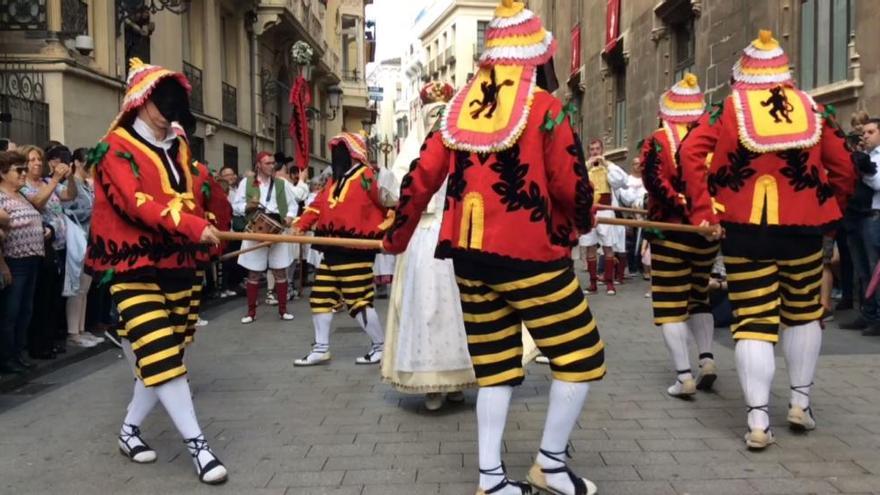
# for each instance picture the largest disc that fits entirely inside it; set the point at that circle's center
(622, 209)
(301, 239)
(646, 224)
(234, 254)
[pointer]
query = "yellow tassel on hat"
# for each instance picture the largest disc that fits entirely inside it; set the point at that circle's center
(135, 63)
(765, 40)
(690, 80)
(509, 8)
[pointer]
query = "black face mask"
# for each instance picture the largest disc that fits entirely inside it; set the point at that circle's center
(547, 77)
(171, 100)
(340, 160)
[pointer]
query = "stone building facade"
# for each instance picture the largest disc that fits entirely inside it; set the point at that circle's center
(833, 45)
(63, 65)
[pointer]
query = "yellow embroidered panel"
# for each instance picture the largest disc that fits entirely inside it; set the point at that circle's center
(472, 222)
(508, 79)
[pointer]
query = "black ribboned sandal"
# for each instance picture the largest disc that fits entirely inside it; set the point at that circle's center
(198, 445)
(525, 488)
(133, 452)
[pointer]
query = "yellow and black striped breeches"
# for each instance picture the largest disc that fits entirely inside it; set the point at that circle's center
(765, 293)
(195, 305)
(680, 268)
(154, 320)
(496, 302)
(344, 277)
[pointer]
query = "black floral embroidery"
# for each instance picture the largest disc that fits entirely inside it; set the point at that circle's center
(512, 187)
(733, 175)
(661, 201)
(331, 230)
(456, 184)
(801, 175)
(110, 253)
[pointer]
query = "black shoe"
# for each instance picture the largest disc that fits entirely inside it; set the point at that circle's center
(874, 331)
(59, 349)
(43, 355)
(860, 323)
(113, 337)
(11, 367)
(21, 361)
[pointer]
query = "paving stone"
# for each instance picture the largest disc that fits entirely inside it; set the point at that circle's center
(825, 469)
(379, 476)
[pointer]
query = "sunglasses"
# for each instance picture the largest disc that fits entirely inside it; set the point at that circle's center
(19, 169)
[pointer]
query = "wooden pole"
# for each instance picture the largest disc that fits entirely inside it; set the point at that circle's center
(301, 239)
(621, 209)
(646, 224)
(234, 254)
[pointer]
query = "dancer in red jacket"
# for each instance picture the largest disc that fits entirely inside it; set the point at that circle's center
(771, 145)
(517, 197)
(680, 262)
(146, 241)
(348, 206)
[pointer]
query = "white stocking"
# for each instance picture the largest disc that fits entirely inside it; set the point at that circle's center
(801, 345)
(322, 323)
(566, 402)
(755, 365)
(373, 326)
(675, 335)
(702, 327)
(492, 406)
(177, 400)
(143, 399)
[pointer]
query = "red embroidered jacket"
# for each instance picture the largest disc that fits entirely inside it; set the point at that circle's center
(348, 208)
(662, 177)
(791, 190)
(525, 205)
(143, 218)
(212, 204)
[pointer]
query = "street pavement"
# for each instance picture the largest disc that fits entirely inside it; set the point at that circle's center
(337, 430)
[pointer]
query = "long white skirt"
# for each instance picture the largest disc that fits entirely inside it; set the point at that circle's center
(384, 265)
(425, 341)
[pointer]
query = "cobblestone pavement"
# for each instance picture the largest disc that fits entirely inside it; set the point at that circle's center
(337, 430)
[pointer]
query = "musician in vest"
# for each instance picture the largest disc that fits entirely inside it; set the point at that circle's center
(265, 198)
(780, 172)
(680, 262)
(145, 245)
(350, 206)
(606, 178)
(517, 196)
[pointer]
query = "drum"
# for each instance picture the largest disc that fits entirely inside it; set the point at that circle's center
(263, 223)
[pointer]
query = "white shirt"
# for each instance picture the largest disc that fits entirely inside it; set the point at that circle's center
(873, 181)
(617, 178)
(293, 193)
(633, 195)
(165, 144)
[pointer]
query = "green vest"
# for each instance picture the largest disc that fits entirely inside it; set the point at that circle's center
(252, 191)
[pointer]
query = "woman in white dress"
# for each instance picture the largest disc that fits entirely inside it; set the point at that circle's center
(425, 342)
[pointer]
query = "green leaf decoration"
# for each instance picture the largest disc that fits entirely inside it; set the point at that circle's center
(195, 170)
(107, 278)
(366, 183)
(569, 110)
(96, 154)
(134, 166)
(658, 147)
(206, 191)
(715, 113)
(656, 232)
(640, 144)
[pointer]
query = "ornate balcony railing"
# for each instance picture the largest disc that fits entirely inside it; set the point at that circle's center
(18, 15)
(230, 104)
(196, 99)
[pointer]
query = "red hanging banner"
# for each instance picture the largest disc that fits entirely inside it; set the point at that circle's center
(300, 99)
(612, 25)
(575, 49)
